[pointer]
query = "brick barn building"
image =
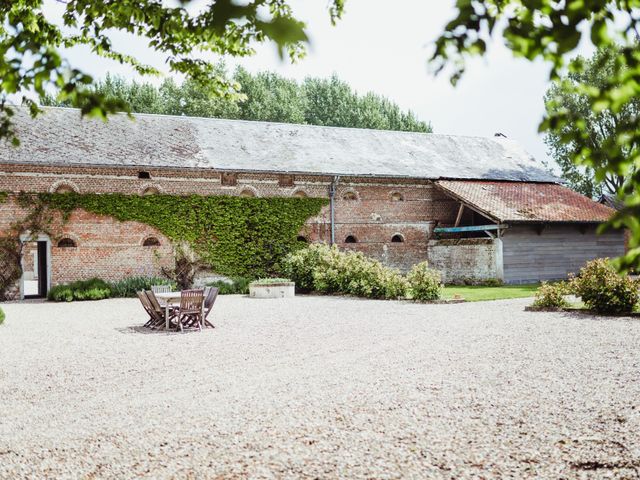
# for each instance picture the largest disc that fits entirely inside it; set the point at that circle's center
(477, 208)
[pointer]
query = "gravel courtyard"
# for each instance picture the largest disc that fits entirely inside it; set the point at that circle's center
(319, 387)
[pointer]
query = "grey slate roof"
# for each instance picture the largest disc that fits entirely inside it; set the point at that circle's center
(61, 136)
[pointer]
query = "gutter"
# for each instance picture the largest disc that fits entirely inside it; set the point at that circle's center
(332, 197)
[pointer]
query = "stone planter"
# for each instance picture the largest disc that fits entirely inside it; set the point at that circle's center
(272, 290)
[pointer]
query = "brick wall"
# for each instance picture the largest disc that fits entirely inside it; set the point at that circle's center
(372, 211)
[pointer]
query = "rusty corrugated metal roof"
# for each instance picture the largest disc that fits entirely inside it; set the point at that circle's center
(527, 202)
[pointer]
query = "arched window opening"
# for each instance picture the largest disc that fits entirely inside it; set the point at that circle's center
(302, 238)
(150, 191)
(300, 194)
(397, 238)
(67, 243)
(64, 186)
(350, 239)
(397, 197)
(151, 242)
(350, 196)
(247, 193)
(65, 189)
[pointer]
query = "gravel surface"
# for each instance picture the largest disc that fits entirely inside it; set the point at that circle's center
(319, 387)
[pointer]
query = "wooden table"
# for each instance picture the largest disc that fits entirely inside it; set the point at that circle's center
(169, 298)
(172, 298)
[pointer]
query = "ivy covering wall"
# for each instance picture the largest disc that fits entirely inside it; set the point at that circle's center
(235, 236)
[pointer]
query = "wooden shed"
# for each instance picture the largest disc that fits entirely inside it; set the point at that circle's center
(540, 231)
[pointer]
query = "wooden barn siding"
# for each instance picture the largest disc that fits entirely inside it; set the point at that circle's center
(556, 252)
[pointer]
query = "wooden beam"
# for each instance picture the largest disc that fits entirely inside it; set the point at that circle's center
(475, 228)
(459, 217)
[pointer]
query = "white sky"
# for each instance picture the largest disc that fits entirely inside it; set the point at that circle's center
(384, 50)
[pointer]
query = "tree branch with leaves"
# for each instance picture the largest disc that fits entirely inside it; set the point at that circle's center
(31, 45)
(551, 31)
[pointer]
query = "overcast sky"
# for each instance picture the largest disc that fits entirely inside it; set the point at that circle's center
(385, 51)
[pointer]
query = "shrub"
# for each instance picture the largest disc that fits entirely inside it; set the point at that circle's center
(604, 290)
(300, 265)
(328, 270)
(425, 283)
(94, 289)
(237, 286)
(550, 296)
(128, 287)
(1, 316)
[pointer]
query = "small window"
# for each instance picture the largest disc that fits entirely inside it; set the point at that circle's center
(64, 186)
(144, 175)
(350, 196)
(150, 191)
(64, 189)
(397, 197)
(151, 242)
(397, 238)
(229, 179)
(302, 238)
(247, 193)
(67, 243)
(350, 239)
(286, 180)
(300, 194)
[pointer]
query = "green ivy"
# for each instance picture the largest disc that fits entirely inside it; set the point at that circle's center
(236, 236)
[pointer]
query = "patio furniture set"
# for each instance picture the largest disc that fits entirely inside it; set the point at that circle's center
(188, 309)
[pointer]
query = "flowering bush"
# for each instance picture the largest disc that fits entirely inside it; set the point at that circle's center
(328, 270)
(300, 265)
(551, 296)
(603, 289)
(425, 283)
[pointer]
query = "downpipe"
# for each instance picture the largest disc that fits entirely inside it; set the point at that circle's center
(332, 205)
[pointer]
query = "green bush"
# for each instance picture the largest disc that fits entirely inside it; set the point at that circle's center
(425, 283)
(300, 266)
(603, 289)
(94, 289)
(328, 270)
(237, 286)
(128, 287)
(1, 316)
(550, 296)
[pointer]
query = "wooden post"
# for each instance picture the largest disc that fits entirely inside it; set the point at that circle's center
(459, 217)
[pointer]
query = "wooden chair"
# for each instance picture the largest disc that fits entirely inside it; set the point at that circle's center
(209, 300)
(156, 318)
(160, 288)
(190, 311)
(147, 307)
(159, 309)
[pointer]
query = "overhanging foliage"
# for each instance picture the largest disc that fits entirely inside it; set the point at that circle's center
(551, 31)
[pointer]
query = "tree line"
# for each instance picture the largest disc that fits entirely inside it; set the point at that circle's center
(265, 96)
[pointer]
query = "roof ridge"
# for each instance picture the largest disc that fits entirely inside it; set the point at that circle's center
(285, 124)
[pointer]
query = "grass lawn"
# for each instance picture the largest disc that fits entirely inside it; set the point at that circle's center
(474, 293)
